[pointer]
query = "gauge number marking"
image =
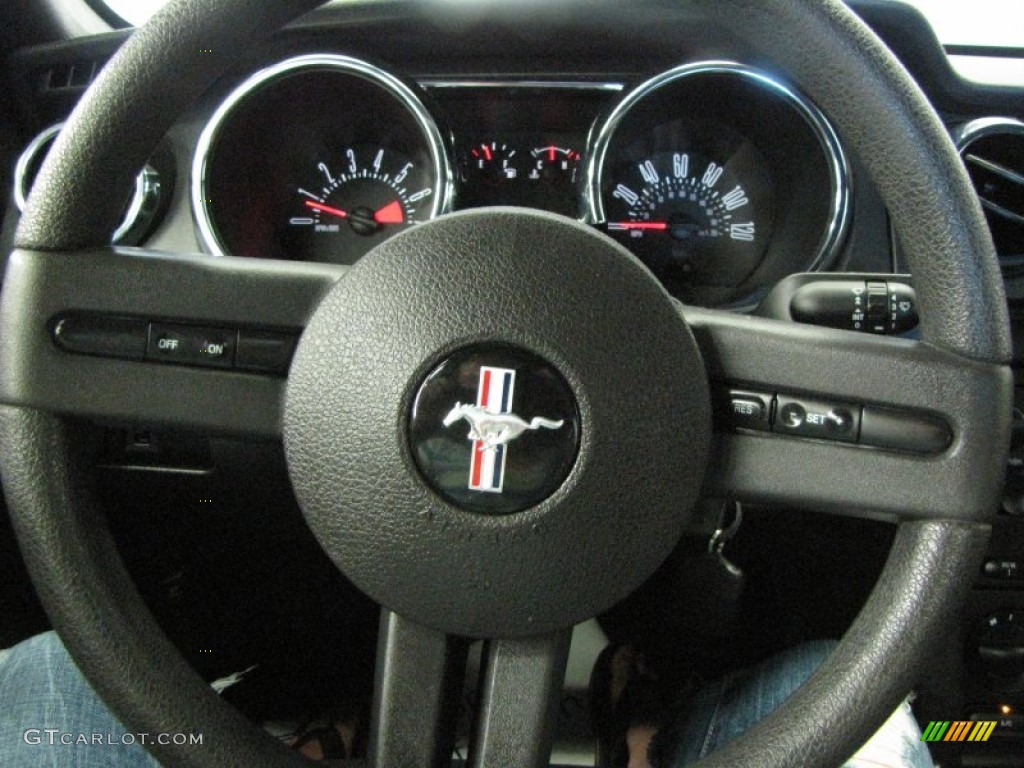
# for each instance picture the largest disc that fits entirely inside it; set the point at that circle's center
(712, 175)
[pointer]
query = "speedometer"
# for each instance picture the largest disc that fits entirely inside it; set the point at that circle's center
(692, 218)
(317, 158)
(721, 180)
(685, 207)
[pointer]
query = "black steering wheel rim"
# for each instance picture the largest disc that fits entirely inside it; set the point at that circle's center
(882, 115)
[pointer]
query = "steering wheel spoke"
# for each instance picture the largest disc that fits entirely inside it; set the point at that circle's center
(812, 374)
(522, 683)
(156, 338)
(420, 674)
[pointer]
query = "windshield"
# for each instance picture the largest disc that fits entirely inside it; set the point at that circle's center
(988, 23)
(984, 23)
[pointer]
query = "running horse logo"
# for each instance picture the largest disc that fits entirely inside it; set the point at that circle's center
(492, 426)
(494, 429)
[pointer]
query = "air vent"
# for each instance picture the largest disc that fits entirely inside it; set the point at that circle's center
(993, 151)
(76, 74)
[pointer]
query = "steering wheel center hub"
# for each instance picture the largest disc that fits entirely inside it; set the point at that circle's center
(518, 345)
(494, 429)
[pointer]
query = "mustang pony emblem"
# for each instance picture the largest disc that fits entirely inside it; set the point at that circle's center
(495, 429)
(492, 426)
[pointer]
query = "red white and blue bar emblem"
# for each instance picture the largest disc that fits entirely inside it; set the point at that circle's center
(494, 395)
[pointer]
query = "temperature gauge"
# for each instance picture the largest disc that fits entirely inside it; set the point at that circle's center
(554, 164)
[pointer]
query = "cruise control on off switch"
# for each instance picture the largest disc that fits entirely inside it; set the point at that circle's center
(190, 345)
(252, 350)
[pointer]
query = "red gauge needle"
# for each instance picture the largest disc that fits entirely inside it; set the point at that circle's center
(655, 225)
(326, 209)
(391, 213)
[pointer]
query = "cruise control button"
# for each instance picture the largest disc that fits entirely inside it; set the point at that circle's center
(265, 351)
(101, 336)
(748, 410)
(1001, 569)
(904, 431)
(192, 345)
(792, 416)
(815, 418)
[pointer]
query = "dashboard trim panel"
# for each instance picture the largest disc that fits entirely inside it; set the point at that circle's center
(565, 85)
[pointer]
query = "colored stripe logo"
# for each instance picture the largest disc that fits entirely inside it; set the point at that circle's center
(494, 395)
(959, 730)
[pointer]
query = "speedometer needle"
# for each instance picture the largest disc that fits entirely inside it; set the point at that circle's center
(626, 225)
(326, 209)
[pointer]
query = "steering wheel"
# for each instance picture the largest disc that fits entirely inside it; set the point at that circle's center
(637, 369)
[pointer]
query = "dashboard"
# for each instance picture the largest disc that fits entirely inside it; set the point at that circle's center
(722, 177)
(699, 156)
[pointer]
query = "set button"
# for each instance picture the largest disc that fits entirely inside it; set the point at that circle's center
(816, 418)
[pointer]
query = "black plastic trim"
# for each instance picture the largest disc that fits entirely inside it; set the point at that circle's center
(519, 702)
(234, 293)
(414, 700)
(761, 355)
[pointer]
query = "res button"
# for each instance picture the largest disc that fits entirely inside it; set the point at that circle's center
(748, 410)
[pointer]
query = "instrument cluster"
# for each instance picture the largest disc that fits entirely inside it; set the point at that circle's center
(721, 178)
(521, 143)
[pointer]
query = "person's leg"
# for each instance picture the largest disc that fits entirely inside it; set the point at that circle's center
(720, 712)
(50, 716)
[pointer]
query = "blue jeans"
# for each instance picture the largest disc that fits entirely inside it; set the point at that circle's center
(723, 710)
(49, 716)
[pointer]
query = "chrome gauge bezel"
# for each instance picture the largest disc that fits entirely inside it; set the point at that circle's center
(442, 188)
(1001, 220)
(971, 131)
(21, 185)
(143, 194)
(826, 136)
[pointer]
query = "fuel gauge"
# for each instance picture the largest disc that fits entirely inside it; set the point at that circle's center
(504, 173)
(494, 162)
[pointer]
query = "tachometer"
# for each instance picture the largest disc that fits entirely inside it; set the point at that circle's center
(317, 158)
(367, 196)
